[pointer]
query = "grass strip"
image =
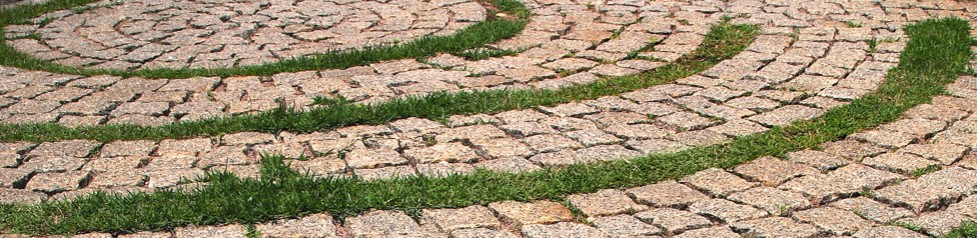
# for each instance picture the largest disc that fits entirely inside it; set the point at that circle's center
(938, 50)
(724, 41)
(474, 36)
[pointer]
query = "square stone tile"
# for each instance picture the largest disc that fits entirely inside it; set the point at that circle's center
(673, 220)
(772, 171)
(316, 225)
(834, 220)
(539, 212)
(383, 224)
(374, 158)
(899, 162)
(502, 147)
(944, 153)
(605, 202)
(551, 143)
(385, 173)
(57, 182)
(872, 210)
(887, 231)
(819, 159)
(593, 137)
(684, 121)
(771, 200)
(775, 227)
(625, 226)
(448, 152)
(887, 139)
(930, 191)
(562, 229)
(449, 220)
(717, 182)
(786, 115)
(843, 182)
(726, 211)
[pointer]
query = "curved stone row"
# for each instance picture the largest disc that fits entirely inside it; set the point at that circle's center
(779, 79)
(565, 43)
(137, 34)
(814, 56)
(865, 186)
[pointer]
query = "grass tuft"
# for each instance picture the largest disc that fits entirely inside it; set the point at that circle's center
(966, 230)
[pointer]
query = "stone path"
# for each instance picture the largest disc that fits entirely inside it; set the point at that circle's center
(777, 80)
(863, 186)
(219, 34)
(558, 51)
(813, 56)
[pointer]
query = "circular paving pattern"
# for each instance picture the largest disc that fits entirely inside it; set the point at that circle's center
(811, 57)
(220, 34)
(584, 43)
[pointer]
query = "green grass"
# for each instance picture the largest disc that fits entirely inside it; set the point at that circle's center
(485, 53)
(968, 230)
(723, 42)
(925, 170)
(474, 36)
(937, 51)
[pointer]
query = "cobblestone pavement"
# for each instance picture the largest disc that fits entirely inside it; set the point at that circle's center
(813, 56)
(553, 45)
(217, 34)
(862, 186)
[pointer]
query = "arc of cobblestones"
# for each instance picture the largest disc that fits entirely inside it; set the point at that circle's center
(809, 193)
(179, 159)
(163, 33)
(745, 95)
(80, 101)
(153, 34)
(842, 73)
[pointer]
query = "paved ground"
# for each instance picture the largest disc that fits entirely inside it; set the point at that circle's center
(218, 34)
(779, 79)
(808, 194)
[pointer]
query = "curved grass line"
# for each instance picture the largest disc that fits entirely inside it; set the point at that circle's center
(722, 42)
(938, 50)
(474, 36)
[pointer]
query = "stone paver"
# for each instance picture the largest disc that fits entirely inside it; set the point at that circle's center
(211, 231)
(726, 211)
(605, 202)
(562, 229)
(383, 224)
(673, 220)
(775, 227)
(773, 171)
(201, 36)
(317, 225)
(449, 220)
(834, 220)
(625, 226)
(717, 182)
(771, 200)
(838, 188)
(541, 212)
(666, 194)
